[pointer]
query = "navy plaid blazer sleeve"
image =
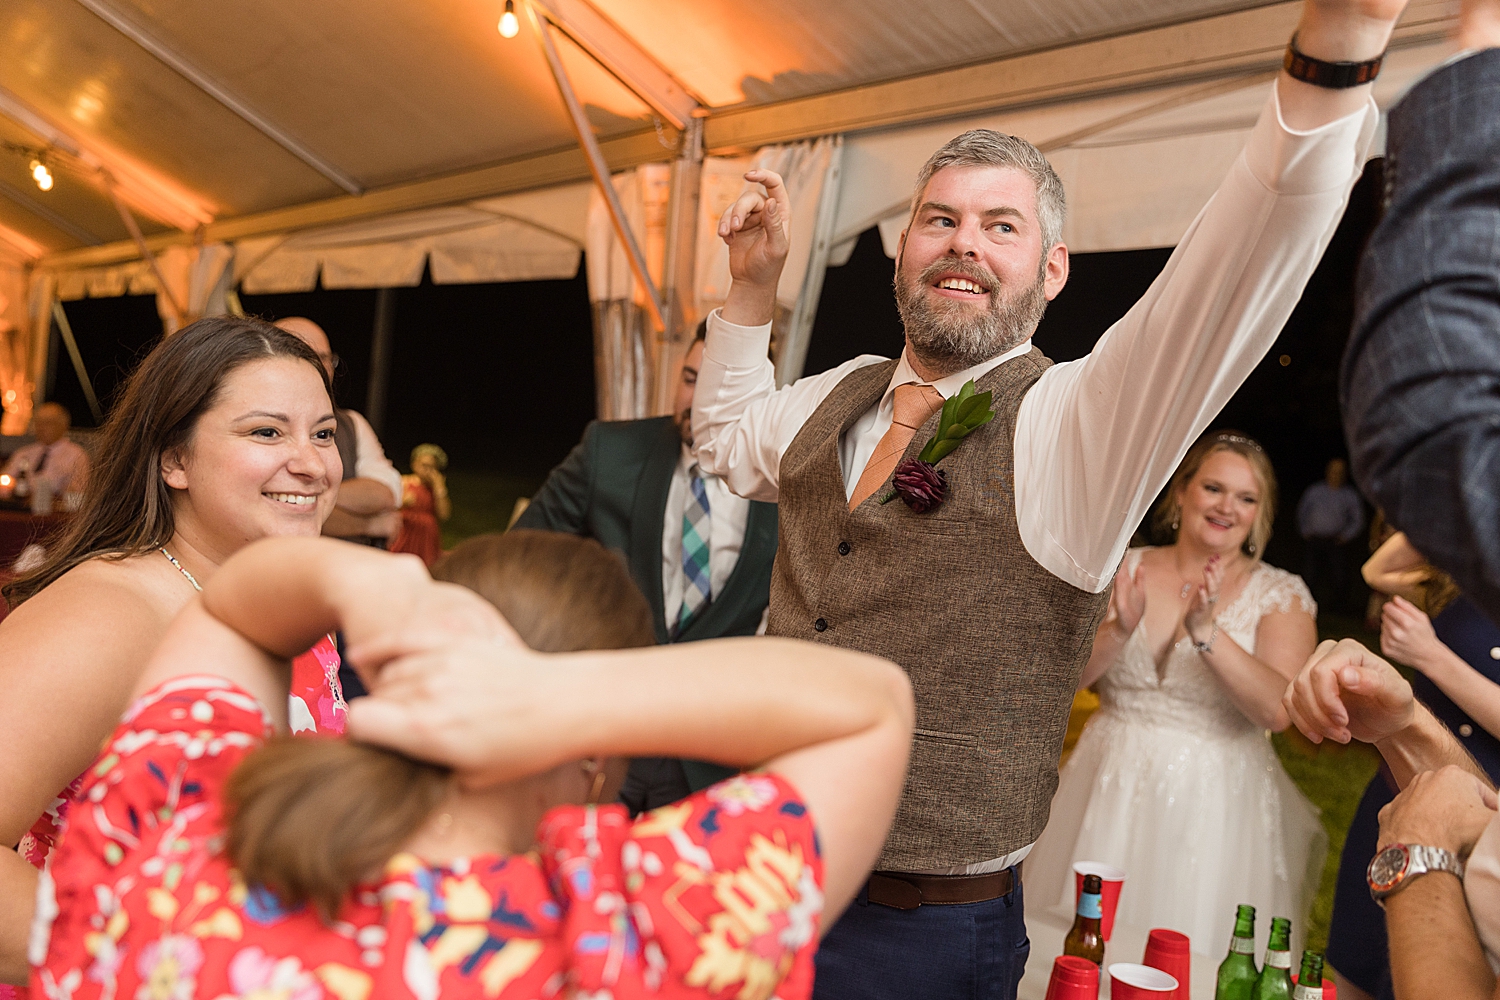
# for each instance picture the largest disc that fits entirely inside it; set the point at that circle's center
(1420, 384)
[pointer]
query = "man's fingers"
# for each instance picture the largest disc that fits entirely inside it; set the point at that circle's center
(380, 721)
(736, 217)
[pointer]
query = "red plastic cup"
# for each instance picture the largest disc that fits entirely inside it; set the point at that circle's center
(1113, 878)
(1168, 951)
(1073, 978)
(1140, 982)
(1330, 988)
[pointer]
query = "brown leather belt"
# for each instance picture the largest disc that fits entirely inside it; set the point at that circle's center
(904, 891)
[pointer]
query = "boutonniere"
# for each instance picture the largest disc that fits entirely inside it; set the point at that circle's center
(918, 481)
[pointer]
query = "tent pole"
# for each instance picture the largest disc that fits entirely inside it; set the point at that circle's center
(793, 354)
(381, 341)
(597, 167)
(679, 272)
(134, 229)
(66, 329)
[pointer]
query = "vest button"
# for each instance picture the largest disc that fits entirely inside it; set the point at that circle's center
(843, 548)
(1466, 730)
(820, 625)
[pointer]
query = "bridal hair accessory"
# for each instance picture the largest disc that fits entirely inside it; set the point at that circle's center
(918, 481)
(1237, 439)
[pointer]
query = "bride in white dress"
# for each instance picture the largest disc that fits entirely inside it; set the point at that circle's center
(1174, 779)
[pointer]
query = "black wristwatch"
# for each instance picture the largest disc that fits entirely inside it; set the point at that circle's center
(1333, 75)
(1398, 864)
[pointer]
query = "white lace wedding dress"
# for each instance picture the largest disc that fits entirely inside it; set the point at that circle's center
(1170, 782)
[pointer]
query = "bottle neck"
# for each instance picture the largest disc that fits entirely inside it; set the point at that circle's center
(1278, 959)
(1090, 906)
(1307, 992)
(1239, 945)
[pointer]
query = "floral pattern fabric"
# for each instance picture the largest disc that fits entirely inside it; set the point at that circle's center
(716, 896)
(316, 706)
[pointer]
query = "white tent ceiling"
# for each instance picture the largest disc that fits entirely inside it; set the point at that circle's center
(212, 112)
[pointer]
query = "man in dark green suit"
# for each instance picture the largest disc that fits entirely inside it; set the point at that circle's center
(700, 554)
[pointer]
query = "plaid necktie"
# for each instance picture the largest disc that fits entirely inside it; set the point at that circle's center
(696, 588)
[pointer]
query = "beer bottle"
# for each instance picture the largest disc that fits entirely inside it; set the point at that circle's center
(1237, 972)
(1310, 979)
(1085, 939)
(1275, 980)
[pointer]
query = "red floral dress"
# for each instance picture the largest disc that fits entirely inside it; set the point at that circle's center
(716, 896)
(316, 706)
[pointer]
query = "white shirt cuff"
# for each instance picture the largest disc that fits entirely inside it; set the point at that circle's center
(1290, 161)
(735, 346)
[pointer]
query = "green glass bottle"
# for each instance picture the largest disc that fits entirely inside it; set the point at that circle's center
(1237, 972)
(1310, 979)
(1275, 979)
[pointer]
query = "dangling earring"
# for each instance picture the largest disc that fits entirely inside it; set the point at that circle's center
(1176, 518)
(594, 769)
(1249, 548)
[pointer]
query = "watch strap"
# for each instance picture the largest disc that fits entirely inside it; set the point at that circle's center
(1331, 75)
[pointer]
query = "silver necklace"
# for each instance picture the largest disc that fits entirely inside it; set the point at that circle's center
(180, 568)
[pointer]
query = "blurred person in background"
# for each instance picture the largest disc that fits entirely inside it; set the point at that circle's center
(53, 456)
(1330, 516)
(424, 503)
(1455, 650)
(370, 495)
(700, 554)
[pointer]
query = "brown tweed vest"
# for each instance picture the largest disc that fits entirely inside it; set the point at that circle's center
(994, 643)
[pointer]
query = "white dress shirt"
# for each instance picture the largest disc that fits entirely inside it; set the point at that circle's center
(727, 516)
(370, 463)
(1097, 438)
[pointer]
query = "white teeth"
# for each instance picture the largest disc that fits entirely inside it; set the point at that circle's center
(960, 284)
(293, 498)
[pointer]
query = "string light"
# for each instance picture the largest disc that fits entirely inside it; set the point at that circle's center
(41, 175)
(509, 25)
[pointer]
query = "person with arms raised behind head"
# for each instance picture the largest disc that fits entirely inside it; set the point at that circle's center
(424, 503)
(222, 435)
(332, 868)
(987, 582)
(371, 491)
(1191, 662)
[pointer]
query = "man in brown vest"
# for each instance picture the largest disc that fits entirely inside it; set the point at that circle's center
(990, 599)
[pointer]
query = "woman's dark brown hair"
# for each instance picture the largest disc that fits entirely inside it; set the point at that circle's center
(127, 508)
(311, 818)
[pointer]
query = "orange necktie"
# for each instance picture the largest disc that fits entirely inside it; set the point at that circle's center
(913, 405)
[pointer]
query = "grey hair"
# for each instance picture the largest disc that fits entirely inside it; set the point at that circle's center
(982, 147)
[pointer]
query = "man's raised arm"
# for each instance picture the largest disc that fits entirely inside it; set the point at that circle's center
(741, 423)
(1097, 438)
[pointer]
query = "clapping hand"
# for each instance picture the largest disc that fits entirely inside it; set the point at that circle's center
(1406, 633)
(1449, 808)
(1127, 605)
(1205, 600)
(1345, 692)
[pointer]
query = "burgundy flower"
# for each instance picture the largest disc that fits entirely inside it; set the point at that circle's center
(921, 485)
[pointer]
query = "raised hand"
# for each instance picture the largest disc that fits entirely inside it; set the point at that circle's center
(1448, 808)
(1205, 602)
(1347, 692)
(1128, 603)
(1406, 633)
(757, 230)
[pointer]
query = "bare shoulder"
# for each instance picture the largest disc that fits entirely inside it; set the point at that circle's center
(116, 600)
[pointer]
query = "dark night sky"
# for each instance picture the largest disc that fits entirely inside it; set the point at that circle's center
(501, 375)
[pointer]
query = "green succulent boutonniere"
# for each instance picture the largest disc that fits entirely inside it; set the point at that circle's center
(919, 482)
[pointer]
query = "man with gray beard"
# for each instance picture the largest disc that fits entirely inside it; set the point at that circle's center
(987, 582)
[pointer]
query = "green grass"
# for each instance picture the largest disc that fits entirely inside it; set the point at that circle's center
(1333, 777)
(483, 501)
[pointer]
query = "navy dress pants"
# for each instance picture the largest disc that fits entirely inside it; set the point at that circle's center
(959, 951)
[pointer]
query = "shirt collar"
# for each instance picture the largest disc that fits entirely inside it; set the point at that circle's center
(948, 385)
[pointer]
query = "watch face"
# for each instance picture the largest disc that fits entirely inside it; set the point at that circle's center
(1387, 868)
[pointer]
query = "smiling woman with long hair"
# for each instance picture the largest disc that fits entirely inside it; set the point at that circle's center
(224, 434)
(1173, 780)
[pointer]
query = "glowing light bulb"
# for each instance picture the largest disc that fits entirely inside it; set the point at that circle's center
(510, 26)
(41, 175)
(4, 480)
